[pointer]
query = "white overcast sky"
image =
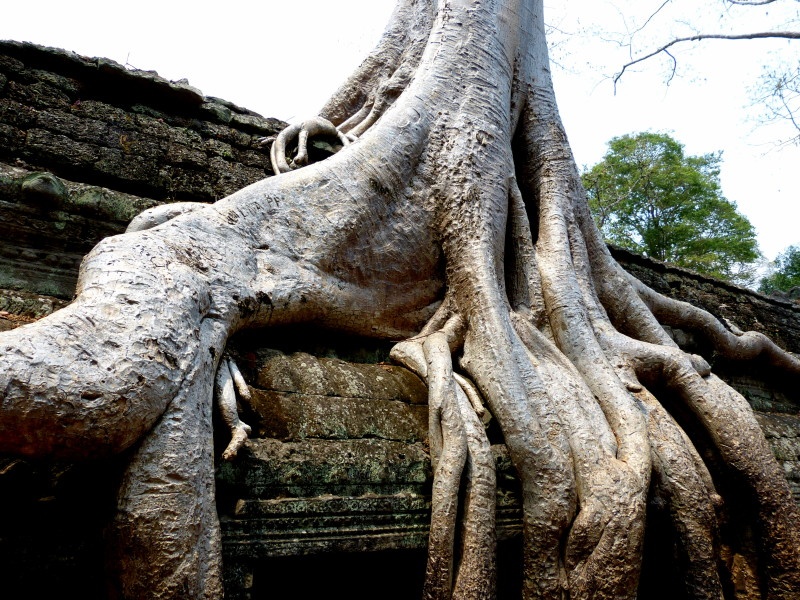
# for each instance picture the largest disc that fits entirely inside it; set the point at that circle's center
(282, 59)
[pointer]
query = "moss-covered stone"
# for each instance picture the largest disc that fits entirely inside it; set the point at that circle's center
(92, 120)
(273, 469)
(107, 204)
(218, 112)
(44, 189)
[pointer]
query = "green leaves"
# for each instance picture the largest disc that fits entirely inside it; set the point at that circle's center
(649, 197)
(787, 272)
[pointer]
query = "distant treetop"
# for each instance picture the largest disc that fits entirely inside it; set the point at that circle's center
(786, 276)
(649, 197)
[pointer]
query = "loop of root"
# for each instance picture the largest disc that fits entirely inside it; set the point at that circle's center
(316, 126)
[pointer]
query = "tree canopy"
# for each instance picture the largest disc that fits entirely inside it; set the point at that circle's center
(648, 196)
(787, 272)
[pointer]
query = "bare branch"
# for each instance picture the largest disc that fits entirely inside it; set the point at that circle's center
(652, 16)
(750, 2)
(788, 35)
(789, 111)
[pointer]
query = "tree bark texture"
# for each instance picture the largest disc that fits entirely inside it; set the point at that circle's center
(453, 220)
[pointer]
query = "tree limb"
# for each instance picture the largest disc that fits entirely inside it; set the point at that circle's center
(750, 2)
(788, 35)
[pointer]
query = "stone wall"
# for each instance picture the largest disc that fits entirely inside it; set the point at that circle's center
(118, 141)
(336, 481)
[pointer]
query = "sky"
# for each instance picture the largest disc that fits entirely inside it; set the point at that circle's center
(284, 59)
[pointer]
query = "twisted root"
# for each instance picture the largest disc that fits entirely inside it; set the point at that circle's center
(459, 448)
(316, 126)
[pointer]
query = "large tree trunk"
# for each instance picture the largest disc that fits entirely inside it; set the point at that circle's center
(456, 221)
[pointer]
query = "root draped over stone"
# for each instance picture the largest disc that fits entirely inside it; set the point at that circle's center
(456, 222)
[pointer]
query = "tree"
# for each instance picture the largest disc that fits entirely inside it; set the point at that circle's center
(648, 196)
(455, 220)
(787, 272)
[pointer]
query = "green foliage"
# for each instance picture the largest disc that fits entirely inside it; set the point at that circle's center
(649, 197)
(787, 272)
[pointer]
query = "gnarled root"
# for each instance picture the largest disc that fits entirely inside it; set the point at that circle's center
(229, 381)
(683, 481)
(385, 73)
(729, 424)
(732, 344)
(316, 126)
(377, 103)
(164, 541)
(459, 449)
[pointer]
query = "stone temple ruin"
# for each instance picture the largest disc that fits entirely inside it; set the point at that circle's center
(332, 494)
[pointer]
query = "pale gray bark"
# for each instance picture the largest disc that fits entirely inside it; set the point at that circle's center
(456, 221)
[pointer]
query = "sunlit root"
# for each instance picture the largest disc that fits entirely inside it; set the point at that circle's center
(474, 398)
(448, 455)
(731, 344)
(229, 381)
(729, 422)
(679, 475)
(161, 214)
(316, 126)
(538, 448)
(384, 96)
(459, 449)
(400, 48)
(476, 575)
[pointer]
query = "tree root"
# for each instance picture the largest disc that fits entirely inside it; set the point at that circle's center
(729, 423)
(448, 455)
(691, 502)
(476, 578)
(459, 448)
(229, 382)
(378, 102)
(518, 398)
(384, 74)
(730, 344)
(311, 127)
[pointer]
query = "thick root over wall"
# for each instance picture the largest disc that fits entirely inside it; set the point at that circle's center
(452, 219)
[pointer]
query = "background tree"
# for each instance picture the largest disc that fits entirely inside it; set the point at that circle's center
(648, 196)
(787, 272)
(454, 220)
